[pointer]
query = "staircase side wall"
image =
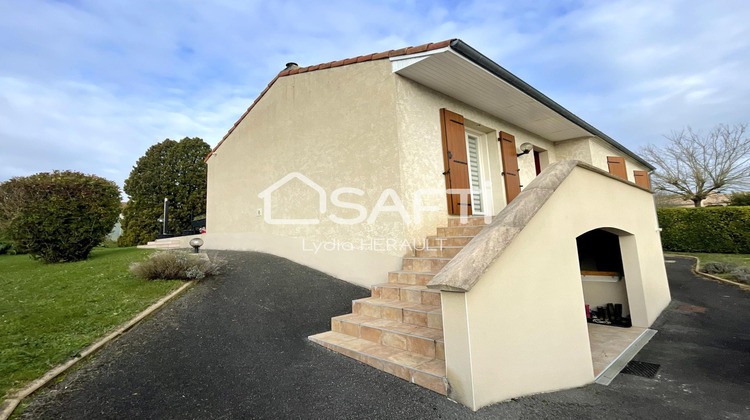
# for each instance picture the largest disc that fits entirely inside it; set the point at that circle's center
(525, 324)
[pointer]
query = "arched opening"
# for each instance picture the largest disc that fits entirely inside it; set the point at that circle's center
(611, 280)
(602, 276)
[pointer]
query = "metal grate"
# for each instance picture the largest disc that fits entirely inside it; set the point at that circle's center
(644, 369)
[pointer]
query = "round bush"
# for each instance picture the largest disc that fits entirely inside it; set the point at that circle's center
(59, 216)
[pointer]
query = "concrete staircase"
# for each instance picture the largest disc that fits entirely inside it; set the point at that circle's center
(399, 329)
(166, 243)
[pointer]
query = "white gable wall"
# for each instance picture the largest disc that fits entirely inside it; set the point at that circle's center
(337, 127)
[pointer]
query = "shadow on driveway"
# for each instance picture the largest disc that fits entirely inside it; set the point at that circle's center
(235, 347)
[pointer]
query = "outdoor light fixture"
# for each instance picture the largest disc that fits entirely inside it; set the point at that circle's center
(525, 149)
(196, 243)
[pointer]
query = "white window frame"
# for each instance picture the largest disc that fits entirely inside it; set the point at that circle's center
(481, 165)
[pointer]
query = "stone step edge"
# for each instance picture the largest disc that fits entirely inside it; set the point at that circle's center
(337, 347)
(445, 238)
(410, 272)
(405, 286)
(383, 302)
(438, 310)
(452, 218)
(388, 329)
(430, 258)
(462, 226)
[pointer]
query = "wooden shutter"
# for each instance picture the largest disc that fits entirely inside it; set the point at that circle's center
(456, 161)
(616, 166)
(510, 166)
(642, 179)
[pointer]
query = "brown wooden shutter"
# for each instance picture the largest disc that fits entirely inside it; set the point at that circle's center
(642, 179)
(510, 166)
(616, 166)
(456, 161)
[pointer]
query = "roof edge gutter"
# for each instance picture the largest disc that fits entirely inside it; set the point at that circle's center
(481, 60)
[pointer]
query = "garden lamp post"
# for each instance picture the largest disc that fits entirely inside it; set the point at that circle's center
(166, 216)
(196, 243)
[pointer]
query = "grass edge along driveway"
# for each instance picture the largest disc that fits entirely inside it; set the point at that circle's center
(50, 312)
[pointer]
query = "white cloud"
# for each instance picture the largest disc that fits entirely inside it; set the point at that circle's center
(89, 85)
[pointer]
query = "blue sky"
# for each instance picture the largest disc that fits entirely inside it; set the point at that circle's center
(90, 85)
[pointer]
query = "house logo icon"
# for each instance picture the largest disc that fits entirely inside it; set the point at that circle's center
(266, 196)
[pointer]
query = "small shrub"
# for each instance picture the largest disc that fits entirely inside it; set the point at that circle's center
(176, 265)
(717, 267)
(739, 199)
(58, 216)
(741, 274)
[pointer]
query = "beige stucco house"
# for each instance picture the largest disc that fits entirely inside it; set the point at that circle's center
(362, 168)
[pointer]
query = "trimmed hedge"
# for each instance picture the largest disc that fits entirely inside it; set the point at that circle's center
(724, 230)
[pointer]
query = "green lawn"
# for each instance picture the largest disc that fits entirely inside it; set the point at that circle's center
(50, 312)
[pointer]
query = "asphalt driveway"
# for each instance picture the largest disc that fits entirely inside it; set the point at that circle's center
(235, 347)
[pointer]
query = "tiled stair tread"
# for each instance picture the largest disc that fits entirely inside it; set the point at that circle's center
(470, 220)
(406, 292)
(429, 258)
(444, 252)
(411, 272)
(436, 248)
(438, 241)
(400, 304)
(421, 370)
(409, 277)
(392, 326)
(470, 228)
(401, 357)
(407, 286)
(447, 246)
(431, 248)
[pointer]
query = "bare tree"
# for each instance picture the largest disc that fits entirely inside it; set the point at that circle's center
(694, 165)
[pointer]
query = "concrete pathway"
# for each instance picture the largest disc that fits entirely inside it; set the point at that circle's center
(235, 347)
